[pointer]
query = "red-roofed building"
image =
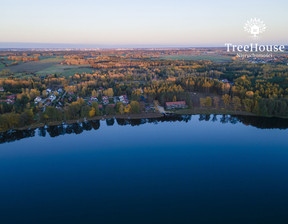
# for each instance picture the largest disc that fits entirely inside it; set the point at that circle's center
(11, 97)
(175, 105)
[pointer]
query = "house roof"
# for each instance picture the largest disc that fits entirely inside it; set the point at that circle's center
(175, 103)
(11, 97)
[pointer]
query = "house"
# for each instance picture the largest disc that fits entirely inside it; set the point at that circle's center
(60, 90)
(11, 97)
(175, 105)
(1, 89)
(10, 101)
(37, 99)
(52, 98)
(48, 91)
(94, 99)
(124, 99)
(105, 100)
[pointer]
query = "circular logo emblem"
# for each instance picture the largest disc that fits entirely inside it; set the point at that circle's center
(255, 27)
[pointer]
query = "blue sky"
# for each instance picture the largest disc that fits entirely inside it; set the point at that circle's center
(135, 23)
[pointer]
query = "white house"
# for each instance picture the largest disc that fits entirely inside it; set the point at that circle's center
(37, 99)
(52, 98)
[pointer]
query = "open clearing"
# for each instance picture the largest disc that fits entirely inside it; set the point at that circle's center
(65, 70)
(35, 66)
(47, 66)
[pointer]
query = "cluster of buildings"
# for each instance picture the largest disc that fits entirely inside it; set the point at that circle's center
(50, 99)
(109, 101)
(9, 99)
(50, 96)
(106, 99)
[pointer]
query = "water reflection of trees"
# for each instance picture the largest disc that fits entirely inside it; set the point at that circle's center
(78, 128)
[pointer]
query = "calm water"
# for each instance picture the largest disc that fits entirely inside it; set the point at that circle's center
(185, 170)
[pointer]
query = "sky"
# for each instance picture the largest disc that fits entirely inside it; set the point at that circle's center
(132, 23)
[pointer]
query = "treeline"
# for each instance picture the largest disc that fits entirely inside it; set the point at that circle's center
(24, 59)
(268, 107)
(74, 111)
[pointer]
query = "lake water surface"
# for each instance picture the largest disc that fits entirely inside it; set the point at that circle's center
(199, 169)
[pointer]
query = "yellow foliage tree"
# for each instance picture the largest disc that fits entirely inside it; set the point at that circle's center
(127, 109)
(227, 99)
(92, 112)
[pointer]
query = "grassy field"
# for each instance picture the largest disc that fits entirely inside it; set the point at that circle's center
(47, 65)
(66, 70)
(214, 58)
(35, 66)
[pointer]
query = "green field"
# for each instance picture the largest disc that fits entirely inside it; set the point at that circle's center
(35, 66)
(47, 65)
(66, 70)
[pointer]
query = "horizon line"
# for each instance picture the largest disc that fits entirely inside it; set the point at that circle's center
(43, 45)
(75, 46)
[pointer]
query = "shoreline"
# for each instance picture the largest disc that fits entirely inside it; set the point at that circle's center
(96, 118)
(196, 111)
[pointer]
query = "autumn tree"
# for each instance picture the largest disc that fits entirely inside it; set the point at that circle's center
(92, 112)
(208, 101)
(216, 102)
(227, 100)
(135, 107)
(94, 93)
(236, 101)
(95, 105)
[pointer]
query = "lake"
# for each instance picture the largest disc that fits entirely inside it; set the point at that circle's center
(188, 169)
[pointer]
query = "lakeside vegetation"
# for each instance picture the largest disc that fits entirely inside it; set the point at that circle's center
(59, 86)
